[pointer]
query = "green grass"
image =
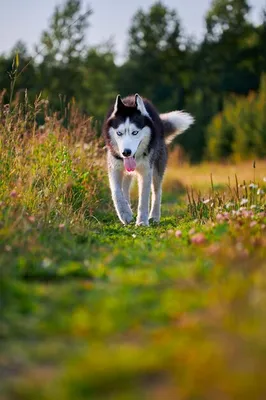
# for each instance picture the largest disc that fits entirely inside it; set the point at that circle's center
(125, 312)
(94, 310)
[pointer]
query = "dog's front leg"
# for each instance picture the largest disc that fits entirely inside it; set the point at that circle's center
(121, 205)
(155, 213)
(144, 182)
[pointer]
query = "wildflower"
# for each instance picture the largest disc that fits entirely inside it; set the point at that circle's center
(226, 215)
(61, 226)
(198, 238)
(253, 206)
(134, 236)
(253, 223)
(219, 217)
(206, 201)
(31, 218)
(260, 192)
(243, 201)
(13, 194)
(178, 234)
(229, 205)
(247, 214)
(253, 186)
(264, 179)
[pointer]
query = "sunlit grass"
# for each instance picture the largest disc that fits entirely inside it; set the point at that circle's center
(199, 176)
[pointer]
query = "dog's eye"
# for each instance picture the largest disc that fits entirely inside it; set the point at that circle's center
(119, 133)
(135, 133)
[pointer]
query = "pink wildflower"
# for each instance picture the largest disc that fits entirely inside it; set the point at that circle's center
(13, 194)
(198, 238)
(219, 217)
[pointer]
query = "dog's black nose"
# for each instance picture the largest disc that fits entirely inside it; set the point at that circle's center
(126, 153)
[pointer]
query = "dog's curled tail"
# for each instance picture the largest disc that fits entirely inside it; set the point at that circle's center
(175, 123)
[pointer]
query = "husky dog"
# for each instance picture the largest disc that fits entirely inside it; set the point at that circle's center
(136, 137)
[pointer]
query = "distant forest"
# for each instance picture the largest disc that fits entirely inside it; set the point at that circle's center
(220, 80)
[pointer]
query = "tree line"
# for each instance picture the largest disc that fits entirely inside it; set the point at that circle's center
(217, 79)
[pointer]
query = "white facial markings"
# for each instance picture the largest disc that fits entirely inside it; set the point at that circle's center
(129, 136)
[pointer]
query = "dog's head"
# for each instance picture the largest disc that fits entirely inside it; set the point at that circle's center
(129, 129)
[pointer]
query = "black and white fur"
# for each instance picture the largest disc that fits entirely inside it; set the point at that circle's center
(134, 129)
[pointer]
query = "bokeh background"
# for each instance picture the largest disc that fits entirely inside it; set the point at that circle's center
(207, 57)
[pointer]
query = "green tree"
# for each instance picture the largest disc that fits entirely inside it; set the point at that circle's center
(99, 75)
(64, 41)
(231, 47)
(239, 130)
(69, 67)
(155, 31)
(226, 15)
(156, 57)
(62, 48)
(262, 41)
(18, 71)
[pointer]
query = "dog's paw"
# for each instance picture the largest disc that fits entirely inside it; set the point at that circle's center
(142, 222)
(154, 217)
(126, 217)
(154, 220)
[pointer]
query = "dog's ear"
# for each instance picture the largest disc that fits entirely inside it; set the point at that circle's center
(118, 104)
(139, 103)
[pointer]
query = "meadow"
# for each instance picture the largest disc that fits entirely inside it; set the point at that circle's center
(91, 309)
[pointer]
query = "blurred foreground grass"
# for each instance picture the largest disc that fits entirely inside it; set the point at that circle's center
(94, 310)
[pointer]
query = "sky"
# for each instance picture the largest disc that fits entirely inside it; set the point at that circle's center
(26, 19)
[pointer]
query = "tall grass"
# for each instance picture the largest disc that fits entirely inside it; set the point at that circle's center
(234, 198)
(49, 172)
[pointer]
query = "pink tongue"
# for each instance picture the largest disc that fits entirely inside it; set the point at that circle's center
(130, 164)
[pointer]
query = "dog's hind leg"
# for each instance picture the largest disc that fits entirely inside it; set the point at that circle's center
(121, 204)
(155, 213)
(144, 182)
(127, 180)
